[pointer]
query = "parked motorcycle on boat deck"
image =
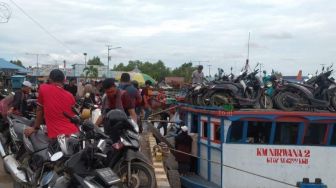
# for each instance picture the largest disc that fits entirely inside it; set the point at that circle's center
(245, 90)
(319, 92)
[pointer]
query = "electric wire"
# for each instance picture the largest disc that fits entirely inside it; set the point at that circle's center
(41, 27)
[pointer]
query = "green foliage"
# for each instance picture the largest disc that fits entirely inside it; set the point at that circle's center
(17, 62)
(157, 70)
(185, 70)
(95, 61)
(91, 72)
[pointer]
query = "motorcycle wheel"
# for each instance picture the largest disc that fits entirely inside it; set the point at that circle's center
(283, 103)
(142, 176)
(266, 102)
(220, 99)
(200, 101)
(333, 101)
(21, 185)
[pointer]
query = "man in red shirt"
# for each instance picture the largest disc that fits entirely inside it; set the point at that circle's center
(53, 101)
(116, 98)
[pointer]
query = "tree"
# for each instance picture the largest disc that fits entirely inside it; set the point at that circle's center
(95, 61)
(185, 70)
(17, 62)
(91, 72)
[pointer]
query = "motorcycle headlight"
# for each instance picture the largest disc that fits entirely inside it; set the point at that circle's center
(269, 84)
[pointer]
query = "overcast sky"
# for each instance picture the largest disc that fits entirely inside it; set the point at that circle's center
(286, 35)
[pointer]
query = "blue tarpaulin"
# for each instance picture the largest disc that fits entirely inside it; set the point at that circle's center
(6, 65)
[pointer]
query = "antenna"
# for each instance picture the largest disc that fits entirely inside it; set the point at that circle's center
(248, 47)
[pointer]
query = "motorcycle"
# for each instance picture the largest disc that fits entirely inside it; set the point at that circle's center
(245, 90)
(28, 160)
(124, 156)
(318, 92)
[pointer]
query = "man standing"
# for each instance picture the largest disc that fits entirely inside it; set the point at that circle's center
(53, 102)
(183, 143)
(147, 94)
(127, 86)
(20, 105)
(197, 75)
(71, 87)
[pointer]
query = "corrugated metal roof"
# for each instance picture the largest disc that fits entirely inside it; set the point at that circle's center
(7, 65)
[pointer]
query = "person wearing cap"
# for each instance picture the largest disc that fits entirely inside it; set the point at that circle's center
(115, 98)
(53, 103)
(197, 75)
(183, 143)
(21, 96)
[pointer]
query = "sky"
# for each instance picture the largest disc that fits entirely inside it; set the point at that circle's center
(285, 35)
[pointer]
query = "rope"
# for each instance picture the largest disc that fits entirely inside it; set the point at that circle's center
(165, 110)
(216, 162)
(245, 171)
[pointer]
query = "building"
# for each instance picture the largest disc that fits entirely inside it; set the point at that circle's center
(7, 70)
(175, 82)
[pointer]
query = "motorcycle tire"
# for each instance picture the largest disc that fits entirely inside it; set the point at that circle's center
(266, 102)
(21, 185)
(282, 103)
(214, 101)
(136, 182)
(333, 101)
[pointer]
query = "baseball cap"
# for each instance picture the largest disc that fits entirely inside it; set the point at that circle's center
(184, 128)
(27, 83)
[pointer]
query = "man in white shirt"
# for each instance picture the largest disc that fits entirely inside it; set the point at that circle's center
(197, 75)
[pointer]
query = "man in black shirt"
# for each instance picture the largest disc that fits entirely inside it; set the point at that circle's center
(71, 87)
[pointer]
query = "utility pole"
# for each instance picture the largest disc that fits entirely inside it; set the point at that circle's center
(64, 66)
(37, 61)
(109, 47)
(85, 54)
(199, 62)
(209, 69)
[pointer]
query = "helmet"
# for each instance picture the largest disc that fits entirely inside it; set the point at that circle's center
(115, 118)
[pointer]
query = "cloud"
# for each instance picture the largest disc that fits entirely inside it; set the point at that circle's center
(174, 31)
(280, 35)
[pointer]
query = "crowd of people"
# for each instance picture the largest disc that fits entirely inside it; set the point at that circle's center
(55, 98)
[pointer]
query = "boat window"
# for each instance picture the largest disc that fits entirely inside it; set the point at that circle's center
(194, 123)
(236, 132)
(314, 134)
(205, 129)
(333, 136)
(217, 136)
(258, 132)
(286, 133)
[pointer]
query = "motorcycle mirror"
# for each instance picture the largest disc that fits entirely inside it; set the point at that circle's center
(56, 156)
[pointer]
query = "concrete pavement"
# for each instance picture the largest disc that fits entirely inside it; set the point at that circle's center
(5, 179)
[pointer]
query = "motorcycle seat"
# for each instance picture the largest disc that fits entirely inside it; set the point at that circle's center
(23, 120)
